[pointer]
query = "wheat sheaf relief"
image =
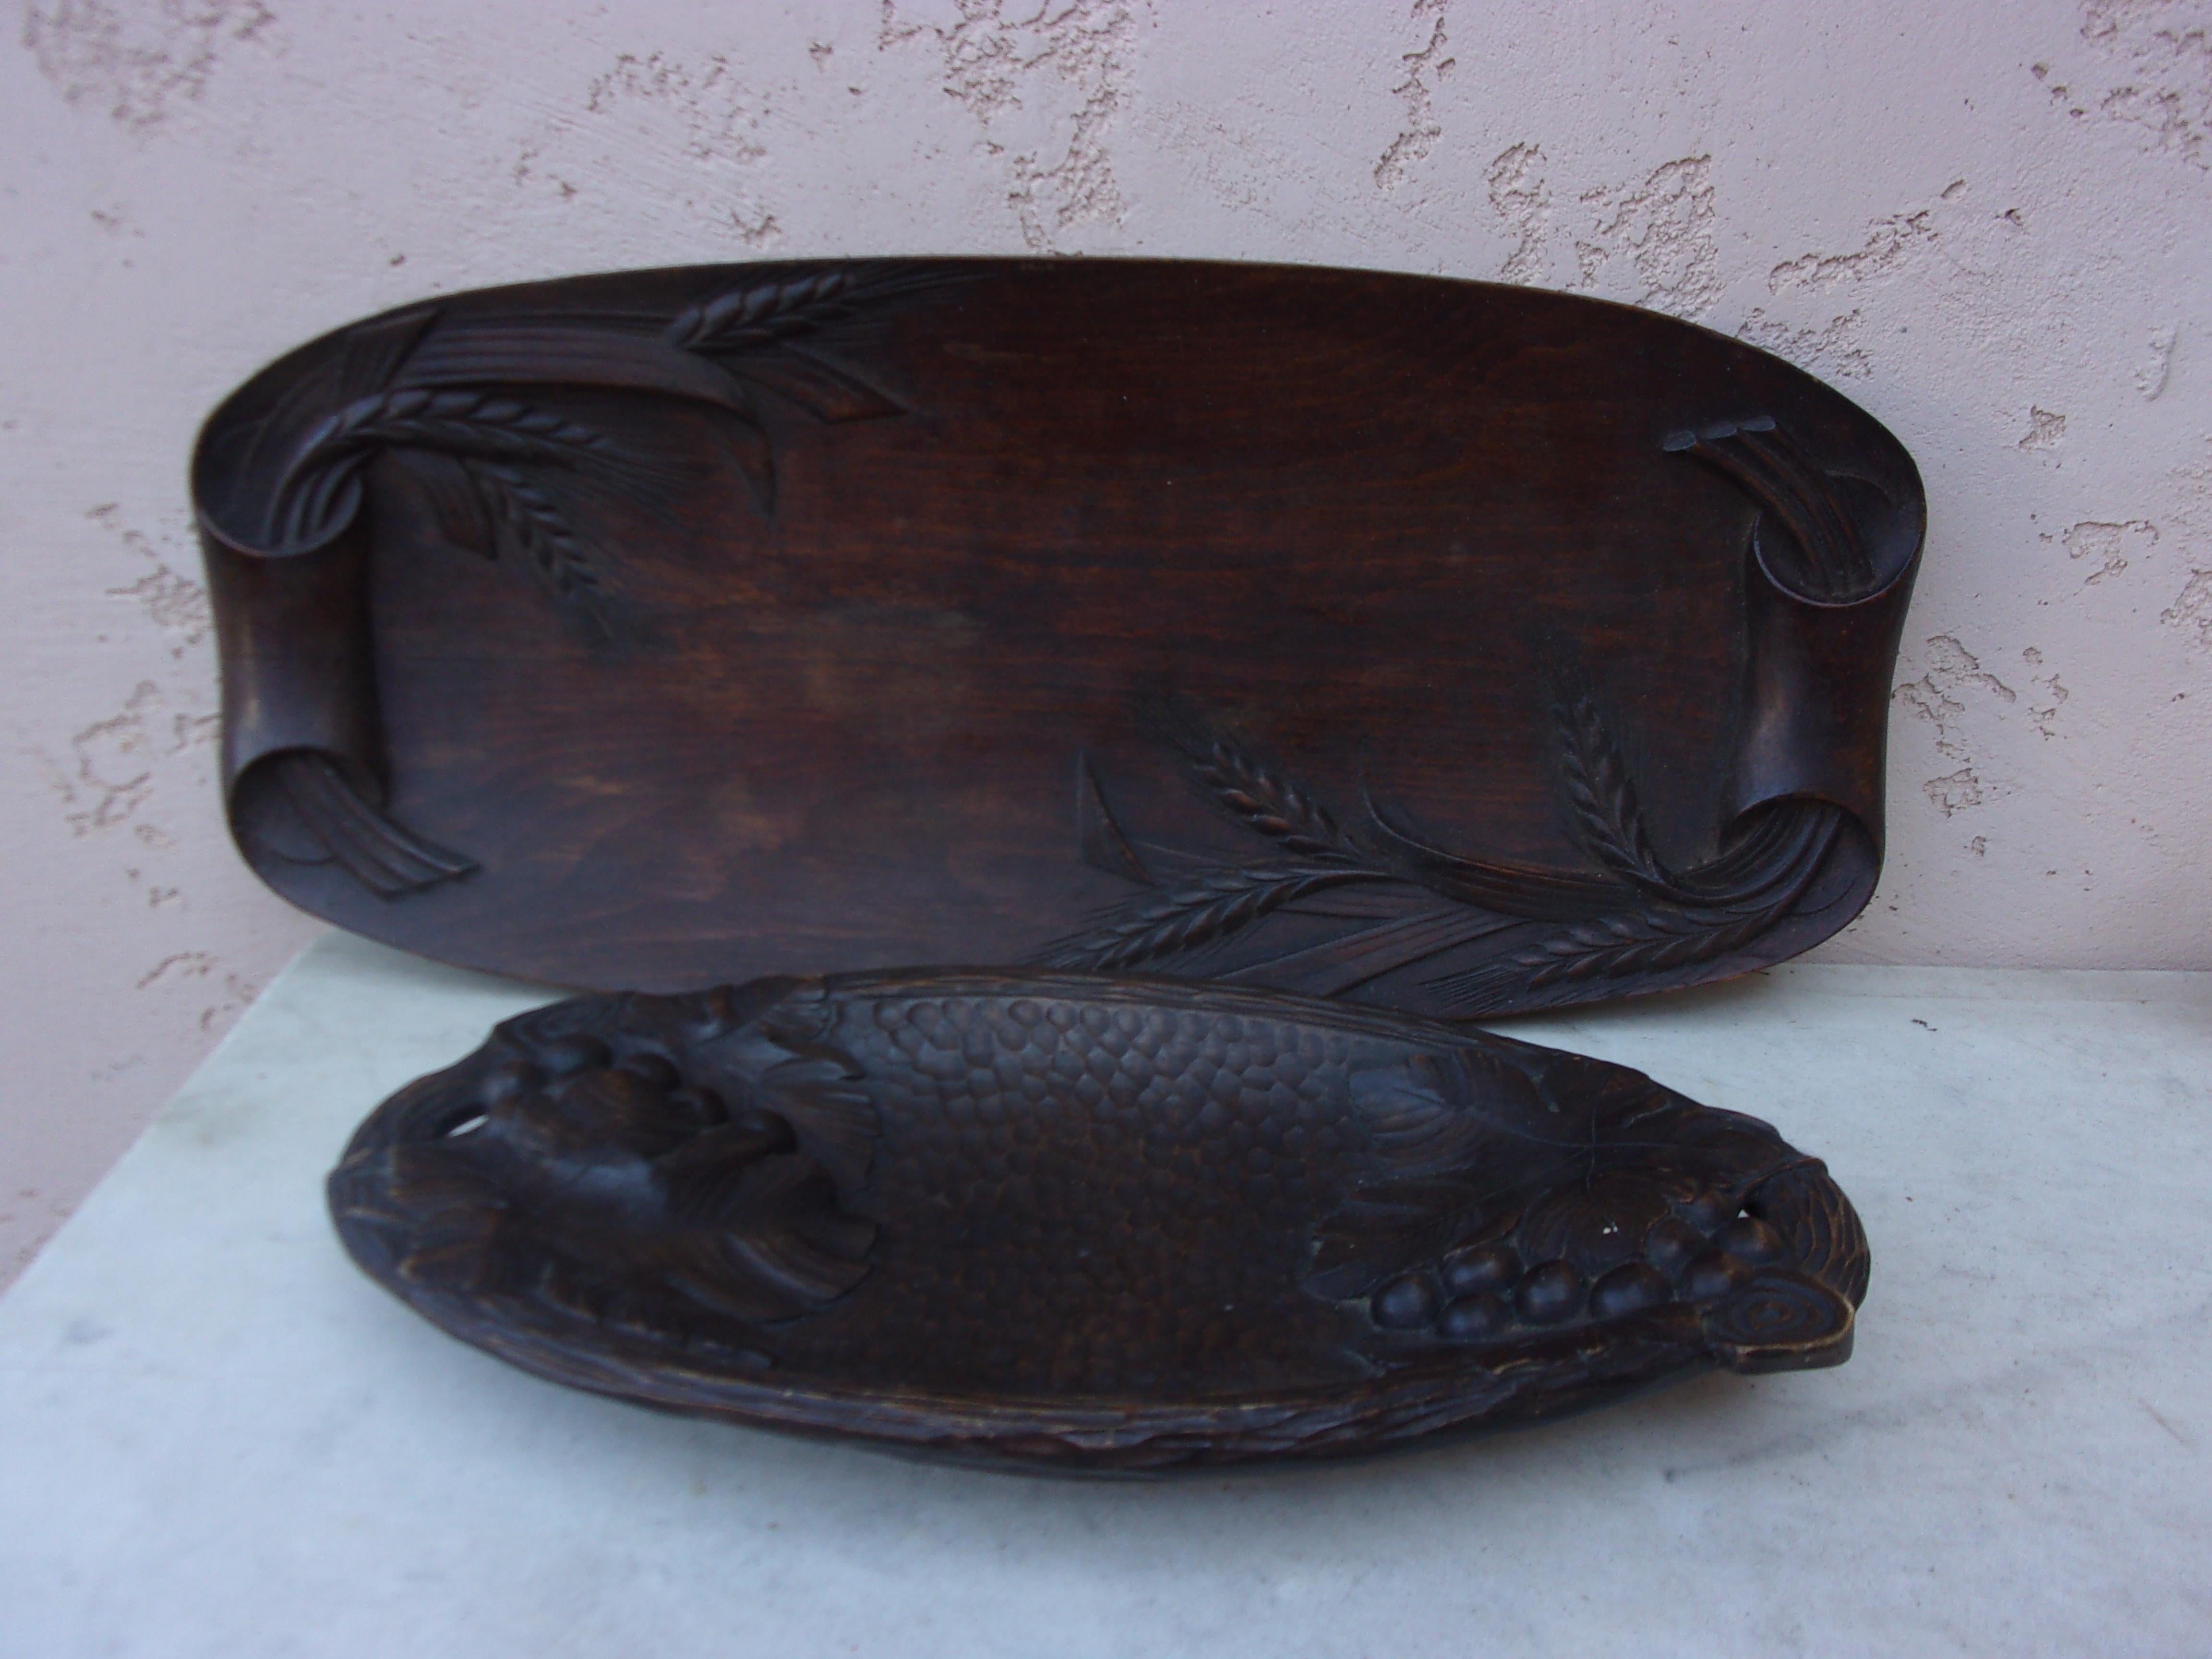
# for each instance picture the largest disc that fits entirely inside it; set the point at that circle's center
(476, 413)
(1397, 899)
(469, 410)
(1634, 918)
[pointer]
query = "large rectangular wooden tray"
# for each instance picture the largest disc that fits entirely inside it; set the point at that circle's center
(1453, 647)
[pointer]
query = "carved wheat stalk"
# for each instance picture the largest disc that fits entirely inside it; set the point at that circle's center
(1204, 910)
(535, 525)
(1640, 942)
(1265, 798)
(1663, 922)
(1607, 817)
(459, 422)
(1644, 943)
(1612, 947)
(472, 425)
(762, 313)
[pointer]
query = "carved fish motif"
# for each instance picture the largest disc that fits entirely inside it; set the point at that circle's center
(1089, 1221)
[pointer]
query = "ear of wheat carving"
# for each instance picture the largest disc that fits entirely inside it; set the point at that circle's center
(1652, 939)
(500, 442)
(762, 313)
(1194, 911)
(1263, 796)
(469, 409)
(521, 460)
(1190, 914)
(1602, 795)
(1641, 919)
(783, 307)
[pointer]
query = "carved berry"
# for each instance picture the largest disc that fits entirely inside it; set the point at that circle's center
(1749, 1239)
(1550, 1293)
(1713, 1275)
(1406, 1304)
(1485, 1268)
(1632, 1287)
(1707, 1211)
(1672, 1244)
(1473, 1318)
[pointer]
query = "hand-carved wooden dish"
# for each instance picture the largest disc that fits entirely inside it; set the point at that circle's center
(1427, 643)
(1073, 1221)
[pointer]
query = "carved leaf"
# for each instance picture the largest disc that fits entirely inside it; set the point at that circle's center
(1099, 834)
(1381, 1231)
(1820, 550)
(830, 1112)
(1654, 940)
(824, 389)
(457, 502)
(748, 448)
(1349, 960)
(782, 1230)
(384, 856)
(1803, 1203)
(1416, 1112)
(375, 350)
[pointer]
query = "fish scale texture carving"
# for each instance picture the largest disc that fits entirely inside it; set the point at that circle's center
(1087, 1223)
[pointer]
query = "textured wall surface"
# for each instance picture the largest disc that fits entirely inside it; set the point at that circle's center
(1991, 225)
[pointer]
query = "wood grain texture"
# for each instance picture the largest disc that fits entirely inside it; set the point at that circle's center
(1433, 644)
(1088, 1223)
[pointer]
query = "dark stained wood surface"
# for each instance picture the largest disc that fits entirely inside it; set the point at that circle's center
(1088, 1223)
(1430, 643)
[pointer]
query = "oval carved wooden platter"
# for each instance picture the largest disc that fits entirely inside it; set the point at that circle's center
(1438, 645)
(1086, 1221)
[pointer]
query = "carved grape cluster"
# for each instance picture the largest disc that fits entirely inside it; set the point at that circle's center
(1601, 1249)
